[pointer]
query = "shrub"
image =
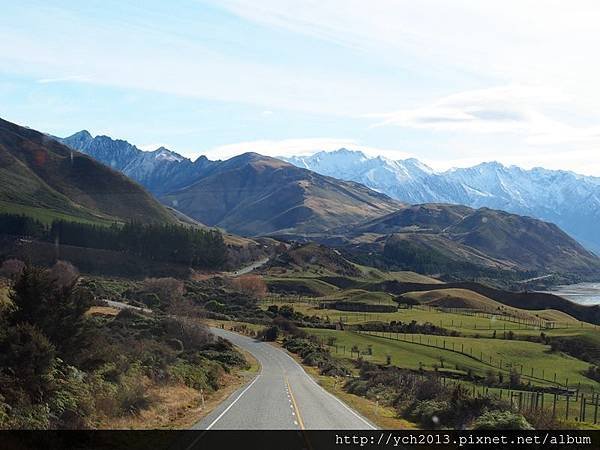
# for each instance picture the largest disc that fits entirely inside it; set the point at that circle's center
(501, 420)
(168, 290)
(28, 358)
(131, 393)
(269, 334)
(430, 413)
(193, 334)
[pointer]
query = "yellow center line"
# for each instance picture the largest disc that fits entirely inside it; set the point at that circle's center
(294, 404)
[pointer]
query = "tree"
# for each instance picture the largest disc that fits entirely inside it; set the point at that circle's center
(57, 310)
(64, 274)
(28, 359)
(251, 285)
(270, 334)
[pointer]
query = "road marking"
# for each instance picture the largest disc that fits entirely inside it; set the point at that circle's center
(330, 394)
(295, 406)
(232, 403)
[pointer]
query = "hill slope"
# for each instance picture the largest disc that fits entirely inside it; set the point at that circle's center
(38, 173)
(436, 235)
(251, 194)
(570, 200)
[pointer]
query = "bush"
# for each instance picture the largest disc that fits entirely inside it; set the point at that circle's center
(430, 413)
(269, 334)
(193, 334)
(204, 375)
(131, 393)
(501, 420)
(28, 359)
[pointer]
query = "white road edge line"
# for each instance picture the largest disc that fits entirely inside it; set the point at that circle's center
(362, 419)
(233, 403)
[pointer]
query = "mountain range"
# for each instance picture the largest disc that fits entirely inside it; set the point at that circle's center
(567, 199)
(252, 194)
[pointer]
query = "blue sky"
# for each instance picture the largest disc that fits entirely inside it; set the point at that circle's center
(451, 83)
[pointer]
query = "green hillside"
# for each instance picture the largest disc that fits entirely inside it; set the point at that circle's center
(44, 179)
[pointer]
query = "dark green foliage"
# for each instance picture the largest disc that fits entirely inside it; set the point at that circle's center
(270, 334)
(585, 347)
(313, 354)
(27, 360)
(57, 310)
(21, 225)
(154, 242)
(171, 243)
(411, 327)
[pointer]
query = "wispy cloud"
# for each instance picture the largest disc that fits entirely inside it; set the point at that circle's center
(65, 79)
(513, 109)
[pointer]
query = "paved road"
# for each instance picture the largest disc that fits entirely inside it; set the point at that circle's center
(248, 269)
(282, 396)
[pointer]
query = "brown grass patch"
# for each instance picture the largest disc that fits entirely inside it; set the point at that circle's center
(102, 311)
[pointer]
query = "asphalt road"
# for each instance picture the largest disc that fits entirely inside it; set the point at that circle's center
(282, 396)
(249, 268)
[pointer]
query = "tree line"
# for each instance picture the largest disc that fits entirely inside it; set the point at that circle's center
(157, 242)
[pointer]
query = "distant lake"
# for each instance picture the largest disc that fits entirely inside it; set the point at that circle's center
(582, 293)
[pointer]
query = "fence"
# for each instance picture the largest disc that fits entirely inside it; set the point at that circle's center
(444, 343)
(582, 407)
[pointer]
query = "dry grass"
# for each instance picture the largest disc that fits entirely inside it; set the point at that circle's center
(102, 311)
(173, 406)
(176, 406)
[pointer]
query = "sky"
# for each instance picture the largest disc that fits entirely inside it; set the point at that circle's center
(450, 83)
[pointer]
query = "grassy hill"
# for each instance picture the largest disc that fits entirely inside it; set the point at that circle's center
(463, 243)
(45, 179)
(457, 299)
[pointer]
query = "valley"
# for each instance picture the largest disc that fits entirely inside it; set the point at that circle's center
(176, 302)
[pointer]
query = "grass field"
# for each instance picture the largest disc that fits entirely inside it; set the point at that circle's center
(302, 285)
(467, 324)
(47, 216)
(362, 296)
(516, 353)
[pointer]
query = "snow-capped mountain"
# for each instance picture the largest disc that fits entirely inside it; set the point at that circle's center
(160, 171)
(570, 200)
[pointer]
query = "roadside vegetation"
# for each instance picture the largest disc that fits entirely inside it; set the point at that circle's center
(66, 361)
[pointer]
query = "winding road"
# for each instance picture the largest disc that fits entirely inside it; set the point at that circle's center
(282, 396)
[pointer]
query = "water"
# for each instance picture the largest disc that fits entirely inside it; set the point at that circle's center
(582, 293)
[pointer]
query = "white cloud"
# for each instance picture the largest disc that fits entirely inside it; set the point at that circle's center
(512, 109)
